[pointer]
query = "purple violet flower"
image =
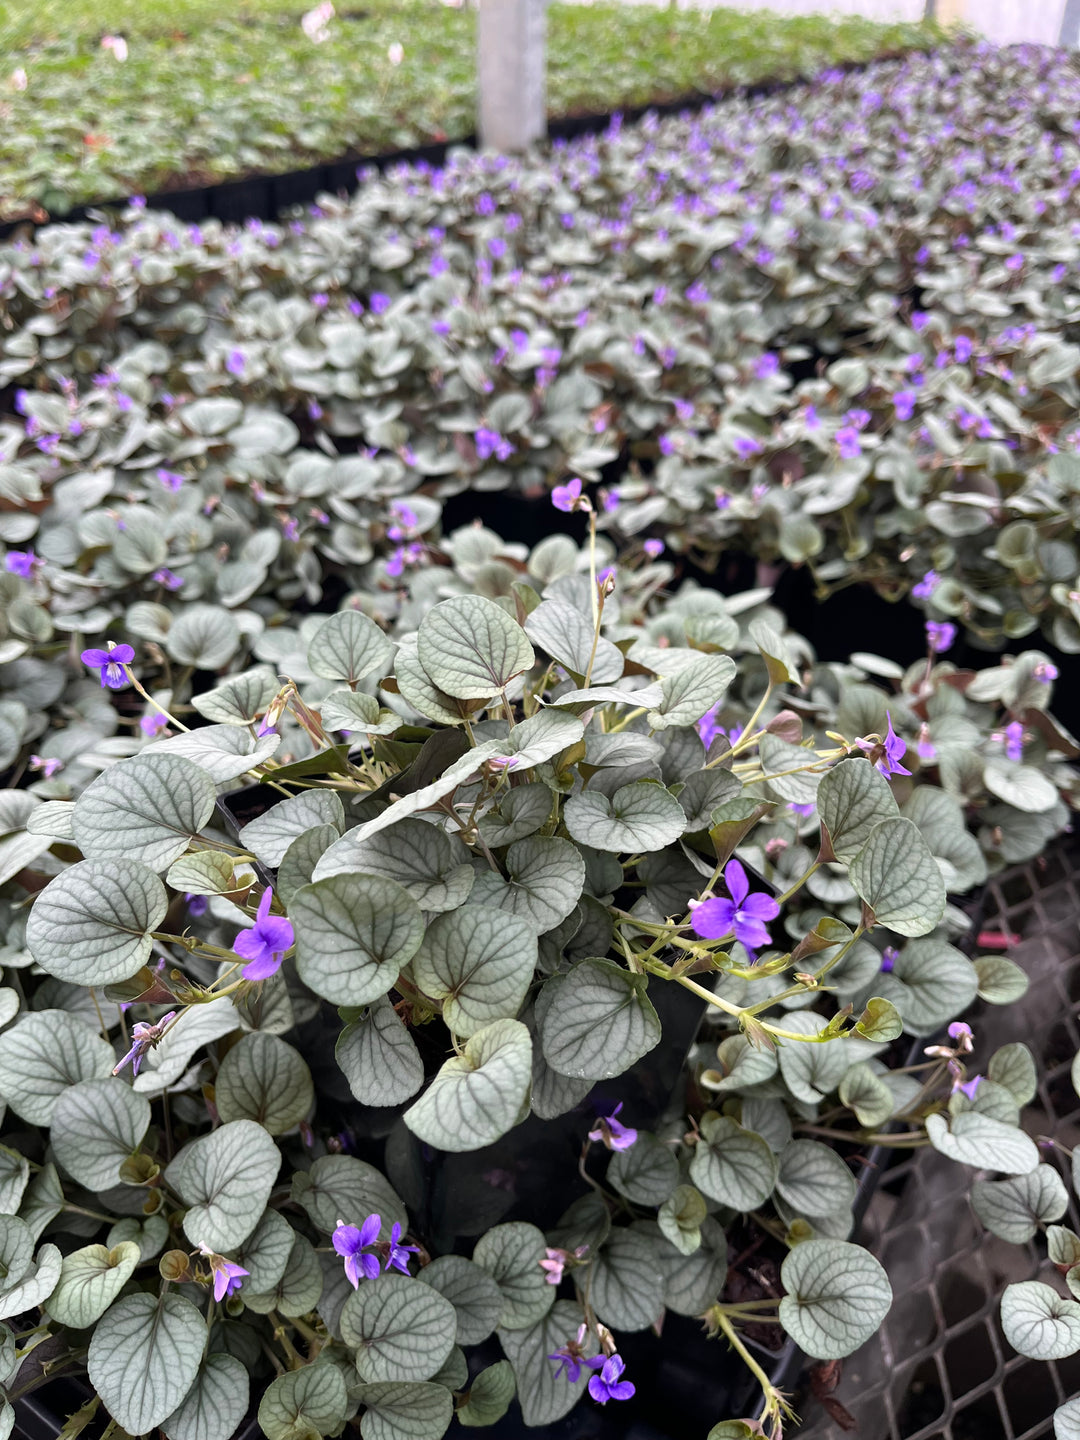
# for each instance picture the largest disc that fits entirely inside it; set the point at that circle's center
(745, 447)
(1014, 741)
(20, 562)
(170, 479)
(940, 635)
(197, 905)
(144, 1037)
(889, 957)
(613, 1133)
(379, 303)
(606, 1385)
(653, 549)
(767, 364)
(968, 1087)
(490, 442)
(265, 944)
(847, 439)
(228, 1276)
(168, 578)
(1045, 672)
(570, 1358)
(111, 663)
(235, 364)
(152, 725)
(743, 915)
(925, 588)
(355, 1244)
(567, 497)
(904, 404)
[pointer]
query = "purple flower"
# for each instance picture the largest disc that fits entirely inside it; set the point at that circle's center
(653, 549)
(570, 1359)
(379, 303)
(667, 445)
(490, 442)
(803, 810)
(926, 586)
(744, 915)
(894, 749)
(235, 363)
(960, 1030)
(1045, 672)
(144, 1037)
(170, 479)
(810, 416)
(1014, 262)
(606, 1385)
(355, 1246)
(904, 403)
(553, 1265)
(745, 447)
(228, 1276)
(197, 905)
(963, 349)
(1014, 741)
(940, 635)
(697, 293)
(969, 1087)
(847, 438)
(111, 663)
(264, 945)
(567, 497)
(47, 765)
(168, 578)
(889, 957)
(20, 562)
(291, 530)
(919, 320)
(613, 1133)
(153, 724)
(398, 1254)
(520, 340)
(767, 364)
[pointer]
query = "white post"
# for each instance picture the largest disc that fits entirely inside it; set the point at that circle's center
(510, 72)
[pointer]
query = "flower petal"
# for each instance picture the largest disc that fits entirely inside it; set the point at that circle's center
(124, 654)
(262, 967)
(94, 658)
(760, 907)
(713, 918)
(369, 1231)
(346, 1240)
(736, 881)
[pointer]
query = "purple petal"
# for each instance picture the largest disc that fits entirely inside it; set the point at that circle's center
(369, 1231)
(262, 967)
(713, 918)
(752, 934)
(221, 1284)
(352, 1270)
(736, 881)
(623, 1390)
(123, 653)
(276, 932)
(369, 1264)
(94, 658)
(250, 944)
(346, 1240)
(760, 907)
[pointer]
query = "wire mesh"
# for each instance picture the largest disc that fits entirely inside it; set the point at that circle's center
(940, 1368)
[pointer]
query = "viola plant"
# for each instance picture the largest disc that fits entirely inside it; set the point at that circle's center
(488, 834)
(754, 334)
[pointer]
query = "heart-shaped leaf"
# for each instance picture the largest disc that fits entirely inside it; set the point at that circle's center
(1015, 1208)
(90, 1280)
(1038, 1322)
(899, 879)
(378, 1057)
(96, 1125)
(419, 856)
(353, 935)
(44, 1054)
(983, 1142)
(852, 798)
(399, 1328)
(269, 836)
(474, 1294)
(837, 1297)
(152, 805)
(347, 647)
(511, 1255)
(639, 818)
(596, 1021)
(92, 924)
(215, 1404)
(732, 1165)
(479, 962)
(225, 1178)
(302, 1403)
(471, 648)
(145, 1356)
(265, 1080)
(477, 1096)
(398, 1411)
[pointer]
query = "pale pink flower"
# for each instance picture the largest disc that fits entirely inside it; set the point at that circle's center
(396, 53)
(314, 22)
(18, 79)
(117, 44)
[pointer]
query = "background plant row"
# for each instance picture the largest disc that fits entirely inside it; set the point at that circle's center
(207, 93)
(832, 327)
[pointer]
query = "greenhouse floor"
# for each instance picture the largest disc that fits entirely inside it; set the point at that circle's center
(940, 1368)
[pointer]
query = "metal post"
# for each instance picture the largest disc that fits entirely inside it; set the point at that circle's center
(510, 72)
